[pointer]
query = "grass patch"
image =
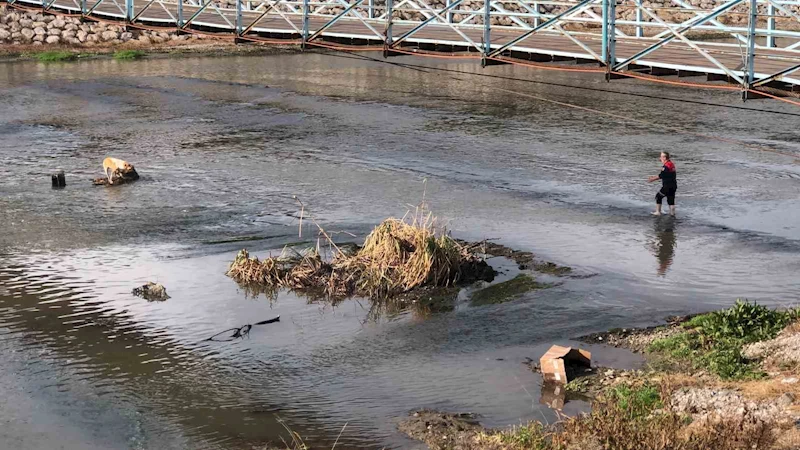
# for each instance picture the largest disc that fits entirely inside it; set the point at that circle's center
(637, 402)
(128, 54)
(55, 56)
(714, 341)
(505, 291)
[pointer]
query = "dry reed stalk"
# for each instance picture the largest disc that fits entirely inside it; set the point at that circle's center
(399, 255)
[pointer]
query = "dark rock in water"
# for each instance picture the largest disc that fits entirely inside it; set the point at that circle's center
(58, 179)
(120, 176)
(151, 292)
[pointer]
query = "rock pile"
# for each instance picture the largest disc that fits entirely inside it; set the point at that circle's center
(27, 27)
(711, 404)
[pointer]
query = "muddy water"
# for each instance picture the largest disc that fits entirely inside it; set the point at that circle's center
(223, 145)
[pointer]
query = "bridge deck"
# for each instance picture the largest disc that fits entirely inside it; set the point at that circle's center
(675, 55)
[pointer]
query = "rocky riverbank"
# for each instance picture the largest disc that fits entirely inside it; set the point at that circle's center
(722, 380)
(27, 35)
(20, 27)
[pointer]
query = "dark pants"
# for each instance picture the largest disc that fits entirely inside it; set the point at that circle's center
(666, 192)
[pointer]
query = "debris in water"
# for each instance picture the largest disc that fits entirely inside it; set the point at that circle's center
(562, 364)
(397, 257)
(234, 333)
(151, 292)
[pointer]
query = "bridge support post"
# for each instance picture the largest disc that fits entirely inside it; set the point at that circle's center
(751, 50)
(83, 7)
(487, 31)
(770, 25)
(180, 14)
(128, 11)
(239, 18)
(612, 36)
(639, 30)
(371, 5)
(387, 39)
(305, 24)
(609, 36)
(538, 11)
(604, 34)
(449, 12)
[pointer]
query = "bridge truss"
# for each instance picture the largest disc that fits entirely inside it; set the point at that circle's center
(753, 45)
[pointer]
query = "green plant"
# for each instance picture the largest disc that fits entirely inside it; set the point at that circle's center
(54, 56)
(745, 321)
(714, 341)
(128, 54)
(636, 402)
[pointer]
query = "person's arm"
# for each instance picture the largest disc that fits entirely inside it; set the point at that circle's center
(657, 177)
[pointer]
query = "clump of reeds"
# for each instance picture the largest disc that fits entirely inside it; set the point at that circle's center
(399, 255)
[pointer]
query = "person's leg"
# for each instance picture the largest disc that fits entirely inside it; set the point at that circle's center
(671, 202)
(659, 197)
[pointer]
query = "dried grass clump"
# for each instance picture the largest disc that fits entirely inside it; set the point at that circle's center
(398, 256)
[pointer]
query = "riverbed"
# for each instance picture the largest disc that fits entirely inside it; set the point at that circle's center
(225, 147)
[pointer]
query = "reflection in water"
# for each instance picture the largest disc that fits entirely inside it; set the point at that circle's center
(664, 242)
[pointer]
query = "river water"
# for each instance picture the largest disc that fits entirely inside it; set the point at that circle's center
(224, 144)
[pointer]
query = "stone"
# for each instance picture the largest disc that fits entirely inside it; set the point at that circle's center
(54, 32)
(786, 399)
(157, 39)
(92, 38)
(151, 292)
(39, 31)
(58, 23)
(53, 39)
(41, 25)
(27, 33)
(144, 39)
(163, 35)
(791, 380)
(25, 23)
(85, 28)
(16, 36)
(67, 34)
(71, 27)
(38, 38)
(81, 35)
(4, 34)
(109, 35)
(15, 26)
(37, 43)
(125, 37)
(48, 18)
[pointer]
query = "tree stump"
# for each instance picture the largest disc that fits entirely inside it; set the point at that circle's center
(58, 179)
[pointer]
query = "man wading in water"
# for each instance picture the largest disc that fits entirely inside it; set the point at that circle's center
(669, 184)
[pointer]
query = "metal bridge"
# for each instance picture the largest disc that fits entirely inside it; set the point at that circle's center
(748, 45)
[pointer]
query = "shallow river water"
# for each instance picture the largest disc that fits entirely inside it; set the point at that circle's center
(224, 144)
